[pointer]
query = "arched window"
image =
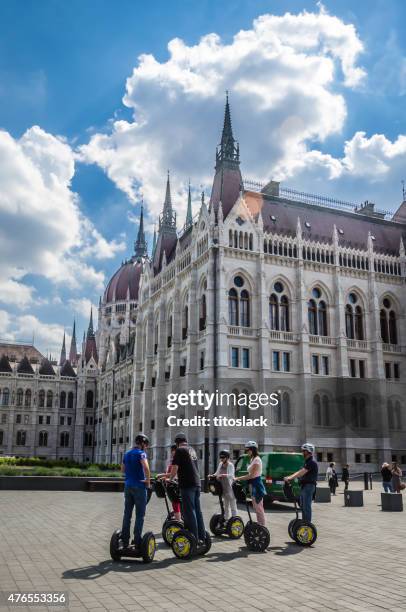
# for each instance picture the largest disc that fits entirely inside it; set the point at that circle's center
(389, 330)
(317, 418)
(1, 437)
(202, 312)
(64, 439)
(88, 438)
(28, 395)
(43, 438)
(70, 399)
(50, 397)
(274, 312)
(62, 399)
(245, 309)
(233, 307)
(317, 314)
(5, 396)
(282, 412)
(284, 314)
(354, 318)
(312, 313)
(349, 321)
(169, 327)
(89, 399)
(359, 323)
(21, 438)
(41, 398)
(359, 416)
(185, 319)
(322, 318)
(20, 396)
(279, 317)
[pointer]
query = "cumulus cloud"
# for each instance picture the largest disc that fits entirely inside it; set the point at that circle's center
(47, 336)
(82, 306)
(285, 76)
(42, 230)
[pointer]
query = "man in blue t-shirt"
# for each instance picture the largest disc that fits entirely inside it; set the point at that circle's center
(307, 479)
(137, 479)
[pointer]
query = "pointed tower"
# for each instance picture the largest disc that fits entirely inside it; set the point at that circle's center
(140, 245)
(227, 182)
(63, 352)
(73, 352)
(154, 242)
(167, 238)
(90, 344)
(189, 216)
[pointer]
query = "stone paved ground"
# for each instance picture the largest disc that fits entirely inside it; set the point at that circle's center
(60, 541)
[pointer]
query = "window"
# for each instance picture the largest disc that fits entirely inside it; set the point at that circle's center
(48, 419)
(235, 361)
(321, 410)
(62, 420)
(389, 333)
(233, 307)
(40, 419)
(20, 396)
(21, 438)
(26, 419)
(359, 412)
(396, 370)
(319, 456)
(286, 362)
(354, 318)
(361, 365)
(388, 373)
(62, 399)
(27, 401)
(245, 358)
(1, 437)
(70, 399)
(279, 318)
(49, 399)
(394, 414)
(315, 364)
(367, 458)
(153, 424)
(69, 420)
(3, 419)
(64, 439)
(353, 368)
(325, 365)
(276, 366)
(43, 438)
(89, 399)
(88, 438)
(41, 398)
(239, 306)
(201, 360)
(185, 319)
(245, 309)
(317, 314)
(330, 457)
(18, 418)
(357, 457)
(202, 313)
(282, 412)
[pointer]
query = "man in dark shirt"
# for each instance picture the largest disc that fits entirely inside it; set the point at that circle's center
(186, 467)
(308, 479)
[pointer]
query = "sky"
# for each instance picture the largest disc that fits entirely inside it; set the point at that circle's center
(99, 99)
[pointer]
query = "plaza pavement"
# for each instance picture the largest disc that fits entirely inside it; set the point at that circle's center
(59, 541)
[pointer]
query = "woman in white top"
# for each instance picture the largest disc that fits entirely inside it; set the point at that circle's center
(331, 477)
(254, 477)
(225, 474)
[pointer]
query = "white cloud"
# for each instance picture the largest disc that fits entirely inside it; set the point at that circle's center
(47, 336)
(285, 75)
(82, 307)
(42, 230)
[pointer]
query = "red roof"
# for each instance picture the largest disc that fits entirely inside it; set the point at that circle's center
(126, 278)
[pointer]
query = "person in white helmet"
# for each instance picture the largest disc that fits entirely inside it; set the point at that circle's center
(254, 478)
(308, 479)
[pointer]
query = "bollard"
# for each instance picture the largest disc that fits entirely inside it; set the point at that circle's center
(366, 484)
(370, 481)
(391, 502)
(354, 498)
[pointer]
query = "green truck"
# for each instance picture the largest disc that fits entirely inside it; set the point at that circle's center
(274, 467)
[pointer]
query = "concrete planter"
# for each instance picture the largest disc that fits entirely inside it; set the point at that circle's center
(323, 495)
(354, 498)
(392, 502)
(49, 483)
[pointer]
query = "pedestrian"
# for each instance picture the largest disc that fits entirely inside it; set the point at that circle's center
(396, 477)
(137, 479)
(185, 467)
(225, 474)
(331, 477)
(345, 476)
(307, 476)
(175, 504)
(386, 474)
(255, 482)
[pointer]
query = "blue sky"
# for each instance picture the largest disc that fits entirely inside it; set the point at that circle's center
(63, 68)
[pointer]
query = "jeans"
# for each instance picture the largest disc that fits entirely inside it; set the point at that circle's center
(133, 496)
(230, 506)
(387, 487)
(306, 499)
(192, 513)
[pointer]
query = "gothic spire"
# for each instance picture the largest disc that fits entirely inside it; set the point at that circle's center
(63, 352)
(140, 245)
(228, 150)
(167, 220)
(154, 242)
(73, 352)
(90, 345)
(189, 217)
(90, 330)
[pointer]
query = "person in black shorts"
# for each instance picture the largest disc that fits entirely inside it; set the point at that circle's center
(186, 467)
(308, 479)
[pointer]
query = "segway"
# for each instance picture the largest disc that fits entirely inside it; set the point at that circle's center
(301, 532)
(146, 550)
(233, 527)
(257, 537)
(163, 490)
(185, 545)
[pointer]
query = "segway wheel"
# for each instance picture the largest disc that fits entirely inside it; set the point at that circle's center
(148, 547)
(183, 544)
(206, 546)
(217, 524)
(169, 528)
(235, 527)
(257, 537)
(291, 527)
(305, 534)
(115, 545)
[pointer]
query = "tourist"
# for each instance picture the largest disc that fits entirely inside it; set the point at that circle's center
(185, 467)
(254, 478)
(386, 474)
(331, 477)
(345, 476)
(177, 515)
(396, 477)
(137, 479)
(308, 480)
(225, 474)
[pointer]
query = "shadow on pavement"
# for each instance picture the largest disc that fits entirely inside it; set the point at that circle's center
(92, 572)
(290, 549)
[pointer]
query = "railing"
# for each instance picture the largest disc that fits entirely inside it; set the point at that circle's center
(282, 336)
(235, 330)
(391, 348)
(357, 344)
(324, 340)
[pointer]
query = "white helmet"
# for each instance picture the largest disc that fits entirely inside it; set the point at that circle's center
(251, 444)
(308, 447)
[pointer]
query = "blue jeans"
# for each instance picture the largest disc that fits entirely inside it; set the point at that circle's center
(387, 487)
(133, 496)
(192, 513)
(306, 499)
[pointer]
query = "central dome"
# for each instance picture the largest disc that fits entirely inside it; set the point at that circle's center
(124, 283)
